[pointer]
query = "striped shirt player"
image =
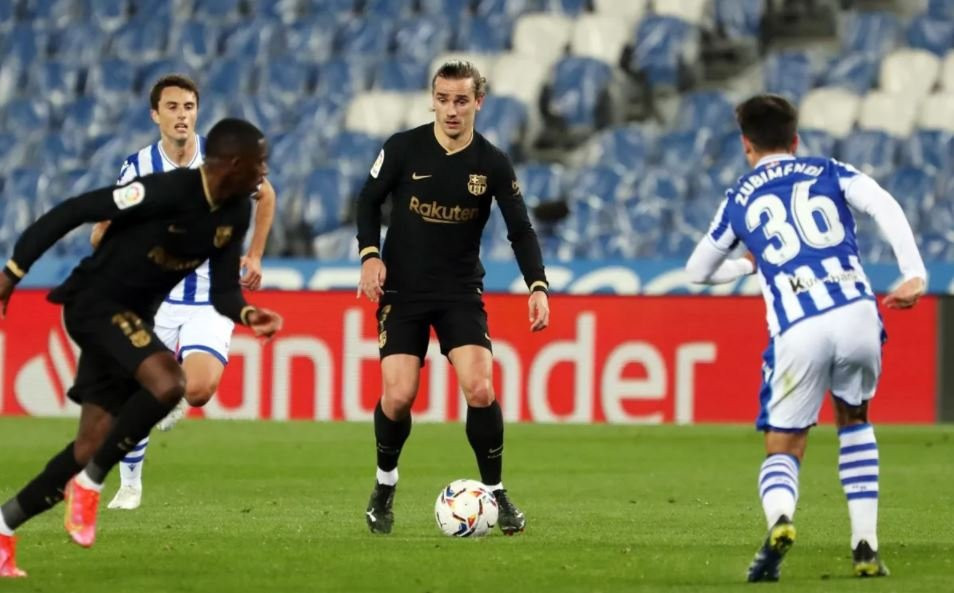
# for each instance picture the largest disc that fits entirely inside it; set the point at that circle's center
(795, 215)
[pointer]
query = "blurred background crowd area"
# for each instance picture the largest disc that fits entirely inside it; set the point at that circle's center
(618, 114)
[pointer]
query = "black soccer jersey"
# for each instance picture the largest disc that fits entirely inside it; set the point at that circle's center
(163, 226)
(441, 201)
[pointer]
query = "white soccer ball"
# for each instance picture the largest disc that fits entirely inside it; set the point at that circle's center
(465, 508)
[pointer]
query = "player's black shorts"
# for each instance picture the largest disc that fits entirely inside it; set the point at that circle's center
(405, 327)
(113, 341)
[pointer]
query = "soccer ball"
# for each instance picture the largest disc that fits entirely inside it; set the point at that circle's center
(465, 508)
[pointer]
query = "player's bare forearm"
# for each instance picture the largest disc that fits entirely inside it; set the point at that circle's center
(96, 235)
(264, 216)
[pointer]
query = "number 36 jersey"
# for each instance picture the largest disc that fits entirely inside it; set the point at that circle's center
(793, 215)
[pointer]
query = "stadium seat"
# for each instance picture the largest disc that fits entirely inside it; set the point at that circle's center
(196, 42)
(833, 110)
(700, 13)
(419, 109)
(25, 43)
(287, 11)
(253, 44)
(339, 244)
(365, 36)
(389, 9)
(286, 80)
(543, 36)
(729, 163)
(451, 9)
(937, 112)
(931, 151)
(147, 74)
(600, 37)
(341, 78)
(855, 71)
(599, 183)
(567, 7)
(930, 34)
(292, 155)
(941, 9)
(354, 153)
(419, 39)
(870, 32)
(59, 151)
(663, 47)
(790, 73)
(706, 109)
(684, 151)
(26, 116)
(624, 149)
(261, 110)
(912, 72)
(326, 201)
(740, 19)
(376, 113)
(912, 188)
(872, 151)
(17, 153)
(487, 34)
(16, 214)
(541, 182)
(57, 81)
(84, 118)
(54, 13)
(815, 143)
(135, 121)
(311, 39)
(223, 11)
(81, 44)
(629, 12)
(519, 76)
(503, 121)
(401, 74)
(578, 93)
(228, 77)
(510, 10)
(890, 112)
(947, 72)
(142, 43)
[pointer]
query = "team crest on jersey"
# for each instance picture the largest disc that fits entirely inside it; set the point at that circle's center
(222, 236)
(129, 196)
(477, 184)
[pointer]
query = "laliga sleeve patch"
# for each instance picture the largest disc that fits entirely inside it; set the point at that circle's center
(129, 196)
(376, 167)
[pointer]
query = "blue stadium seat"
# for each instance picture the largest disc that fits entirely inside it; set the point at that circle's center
(59, 151)
(913, 189)
(930, 150)
(815, 143)
(871, 151)
(540, 182)
(140, 43)
(25, 43)
(286, 80)
(578, 91)
(658, 195)
(150, 9)
(389, 9)
(286, 11)
(219, 10)
(401, 74)
(112, 81)
(567, 7)
(7, 12)
(293, 154)
(790, 74)
(78, 117)
(136, 122)
(150, 72)
(16, 153)
(729, 163)
(684, 151)
(740, 19)
(871, 32)
(267, 114)
(340, 78)
(197, 42)
(503, 121)
(57, 13)
(324, 8)
(600, 183)
(254, 43)
(57, 81)
(110, 14)
(16, 214)
(420, 39)
(926, 32)
(452, 9)
(941, 10)
(326, 200)
(353, 153)
(321, 116)
(488, 34)
(228, 77)
(82, 43)
(509, 9)
(365, 36)
(935, 247)
(624, 149)
(26, 116)
(705, 109)
(658, 49)
(311, 38)
(855, 71)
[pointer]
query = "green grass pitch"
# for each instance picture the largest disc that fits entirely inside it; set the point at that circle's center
(236, 506)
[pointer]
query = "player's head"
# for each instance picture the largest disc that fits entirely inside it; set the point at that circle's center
(457, 91)
(174, 106)
(236, 151)
(769, 123)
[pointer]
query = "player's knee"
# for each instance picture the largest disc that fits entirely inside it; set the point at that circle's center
(478, 393)
(198, 393)
(846, 415)
(398, 399)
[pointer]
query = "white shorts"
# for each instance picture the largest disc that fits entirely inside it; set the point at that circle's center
(837, 351)
(187, 329)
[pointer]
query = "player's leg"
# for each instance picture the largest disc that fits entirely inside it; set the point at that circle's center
(854, 379)
(795, 371)
(403, 333)
(204, 342)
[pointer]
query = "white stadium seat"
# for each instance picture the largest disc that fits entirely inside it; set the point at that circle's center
(628, 11)
(912, 72)
(937, 112)
(601, 37)
(543, 36)
(947, 73)
(698, 12)
(419, 109)
(893, 113)
(520, 76)
(831, 109)
(377, 113)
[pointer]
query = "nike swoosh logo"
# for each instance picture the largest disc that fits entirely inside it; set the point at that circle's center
(416, 177)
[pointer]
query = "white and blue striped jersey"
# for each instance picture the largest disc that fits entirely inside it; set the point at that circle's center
(194, 288)
(793, 215)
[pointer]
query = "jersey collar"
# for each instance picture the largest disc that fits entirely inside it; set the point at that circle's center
(172, 164)
(774, 158)
(456, 150)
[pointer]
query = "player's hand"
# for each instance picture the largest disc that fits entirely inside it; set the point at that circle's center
(99, 229)
(252, 278)
(373, 274)
(6, 289)
(906, 295)
(264, 322)
(539, 311)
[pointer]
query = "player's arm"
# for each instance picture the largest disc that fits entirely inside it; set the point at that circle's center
(381, 179)
(864, 194)
(128, 172)
(264, 215)
(709, 262)
(524, 242)
(226, 293)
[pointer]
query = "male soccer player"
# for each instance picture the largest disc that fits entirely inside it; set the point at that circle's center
(792, 213)
(163, 227)
(186, 322)
(441, 178)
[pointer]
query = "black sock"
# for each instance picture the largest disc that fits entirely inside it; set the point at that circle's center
(139, 414)
(485, 431)
(44, 491)
(390, 436)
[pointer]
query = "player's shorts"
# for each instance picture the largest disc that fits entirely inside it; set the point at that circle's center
(405, 327)
(187, 329)
(113, 342)
(837, 351)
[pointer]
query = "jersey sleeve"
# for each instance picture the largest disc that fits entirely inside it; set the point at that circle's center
(142, 198)
(129, 170)
(224, 270)
(520, 231)
(381, 180)
(720, 232)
